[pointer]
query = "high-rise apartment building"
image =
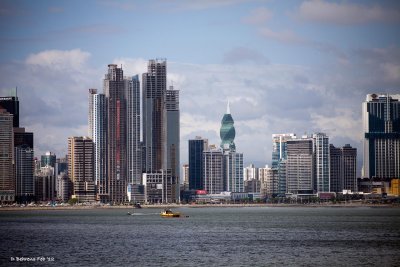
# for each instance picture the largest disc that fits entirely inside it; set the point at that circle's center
(196, 172)
(114, 90)
(381, 124)
(172, 114)
(233, 171)
(269, 182)
(300, 166)
(321, 161)
(154, 86)
(98, 133)
(81, 168)
(7, 180)
(250, 172)
(213, 172)
(185, 176)
(24, 174)
(134, 150)
(343, 168)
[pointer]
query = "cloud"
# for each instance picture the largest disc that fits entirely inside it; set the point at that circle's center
(59, 59)
(244, 54)
(52, 89)
(345, 13)
(55, 10)
(258, 16)
(285, 36)
(179, 5)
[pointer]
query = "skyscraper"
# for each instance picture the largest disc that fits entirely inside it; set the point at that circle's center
(24, 181)
(300, 166)
(11, 105)
(343, 168)
(48, 159)
(81, 167)
(114, 90)
(227, 131)
(321, 161)
(381, 123)
(7, 182)
(98, 133)
(134, 151)
(233, 161)
(213, 170)
(154, 88)
(279, 147)
(172, 159)
(233, 171)
(279, 158)
(196, 172)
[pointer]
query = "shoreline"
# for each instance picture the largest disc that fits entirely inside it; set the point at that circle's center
(163, 206)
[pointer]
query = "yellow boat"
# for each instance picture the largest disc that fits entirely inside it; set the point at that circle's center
(169, 213)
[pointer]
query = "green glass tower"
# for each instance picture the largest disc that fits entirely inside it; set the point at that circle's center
(227, 131)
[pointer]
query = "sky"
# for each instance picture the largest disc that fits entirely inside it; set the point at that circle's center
(285, 66)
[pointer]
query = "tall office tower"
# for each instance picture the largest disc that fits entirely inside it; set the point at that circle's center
(233, 161)
(233, 171)
(114, 90)
(381, 122)
(11, 105)
(81, 167)
(213, 170)
(300, 166)
(98, 133)
(7, 182)
(48, 159)
(343, 168)
(196, 172)
(154, 136)
(22, 138)
(45, 184)
(321, 161)
(134, 150)
(24, 182)
(250, 172)
(227, 131)
(335, 158)
(172, 115)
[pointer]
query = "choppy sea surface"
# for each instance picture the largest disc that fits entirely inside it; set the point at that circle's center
(247, 236)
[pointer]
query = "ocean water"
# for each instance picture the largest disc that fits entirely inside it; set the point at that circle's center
(248, 236)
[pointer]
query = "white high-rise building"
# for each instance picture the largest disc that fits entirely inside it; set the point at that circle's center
(321, 161)
(213, 170)
(134, 151)
(98, 133)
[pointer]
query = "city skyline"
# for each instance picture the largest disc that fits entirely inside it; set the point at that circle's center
(282, 67)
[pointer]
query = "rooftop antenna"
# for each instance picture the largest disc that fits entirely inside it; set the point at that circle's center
(16, 91)
(228, 110)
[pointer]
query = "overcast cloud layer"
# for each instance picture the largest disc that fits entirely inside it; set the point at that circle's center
(299, 68)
